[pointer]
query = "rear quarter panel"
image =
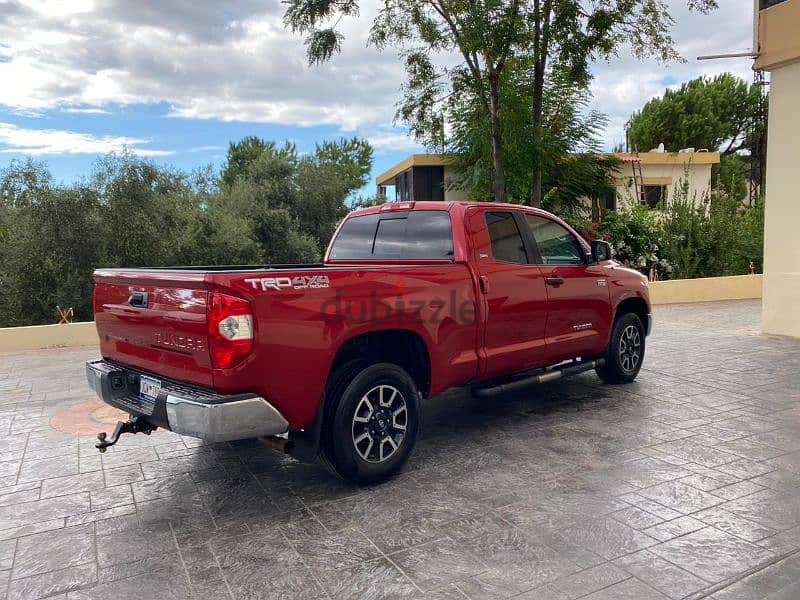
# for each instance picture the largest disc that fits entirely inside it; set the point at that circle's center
(299, 331)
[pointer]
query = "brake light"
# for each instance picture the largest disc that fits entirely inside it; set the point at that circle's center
(389, 206)
(230, 330)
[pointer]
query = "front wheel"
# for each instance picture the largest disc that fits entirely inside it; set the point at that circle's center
(374, 425)
(625, 352)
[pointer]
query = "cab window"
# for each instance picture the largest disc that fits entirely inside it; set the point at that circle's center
(402, 235)
(557, 246)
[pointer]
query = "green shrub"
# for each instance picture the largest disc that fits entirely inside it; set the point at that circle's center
(275, 208)
(682, 229)
(686, 237)
(633, 232)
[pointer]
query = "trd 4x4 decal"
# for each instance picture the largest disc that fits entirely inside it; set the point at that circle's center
(300, 282)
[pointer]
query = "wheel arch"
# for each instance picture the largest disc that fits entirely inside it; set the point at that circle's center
(403, 347)
(635, 305)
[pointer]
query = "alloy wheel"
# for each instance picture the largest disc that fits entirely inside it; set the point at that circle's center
(379, 423)
(630, 348)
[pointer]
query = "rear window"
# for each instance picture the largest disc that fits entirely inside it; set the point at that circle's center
(407, 235)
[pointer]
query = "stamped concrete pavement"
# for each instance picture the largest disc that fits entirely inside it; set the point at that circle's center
(685, 484)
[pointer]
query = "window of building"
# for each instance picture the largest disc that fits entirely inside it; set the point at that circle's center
(403, 187)
(652, 195)
(408, 235)
(610, 200)
(557, 246)
(768, 3)
(507, 245)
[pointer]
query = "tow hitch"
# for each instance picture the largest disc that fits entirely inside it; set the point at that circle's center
(132, 426)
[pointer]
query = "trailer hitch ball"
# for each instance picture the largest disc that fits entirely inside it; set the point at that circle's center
(133, 426)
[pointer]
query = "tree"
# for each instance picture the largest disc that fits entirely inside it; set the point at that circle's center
(716, 113)
(22, 181)
(568, 35)
(351, 160)
(485, 35)
(54, 241)
(556, 35)
(313, 189)
(729, 176)
(569, 130)
(719, 113)
(276, 207)
(243, 153)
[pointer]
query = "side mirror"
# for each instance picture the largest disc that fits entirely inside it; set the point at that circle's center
(601, 250)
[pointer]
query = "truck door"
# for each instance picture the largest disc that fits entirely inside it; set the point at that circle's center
(513, 291)
(578, 307)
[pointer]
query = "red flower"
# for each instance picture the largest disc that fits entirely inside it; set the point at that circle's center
(595, 226)
(606, 236)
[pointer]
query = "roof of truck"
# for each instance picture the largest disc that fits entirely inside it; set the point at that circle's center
(436, 205)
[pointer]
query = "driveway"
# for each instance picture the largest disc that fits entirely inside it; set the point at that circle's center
(683, 484)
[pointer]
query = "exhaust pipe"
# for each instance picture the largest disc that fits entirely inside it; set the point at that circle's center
(519, 384)
(279, 444)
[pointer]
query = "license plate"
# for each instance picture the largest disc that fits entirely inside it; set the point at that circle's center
(149, 388)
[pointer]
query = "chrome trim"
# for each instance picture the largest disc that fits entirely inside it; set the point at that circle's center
(192, 411)
(649, 323)
(238, 420)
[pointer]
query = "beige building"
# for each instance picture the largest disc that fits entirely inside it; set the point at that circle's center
(778, 51)
(646, 176)
(421, 177)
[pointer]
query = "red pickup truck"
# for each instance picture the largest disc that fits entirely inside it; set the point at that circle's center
(334, 360)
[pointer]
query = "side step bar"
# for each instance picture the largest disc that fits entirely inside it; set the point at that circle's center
(551, 375)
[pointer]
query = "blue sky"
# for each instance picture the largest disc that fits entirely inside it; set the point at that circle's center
(165, 139)
(177, 80)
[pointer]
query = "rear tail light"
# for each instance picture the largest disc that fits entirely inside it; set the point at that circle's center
(230, 330)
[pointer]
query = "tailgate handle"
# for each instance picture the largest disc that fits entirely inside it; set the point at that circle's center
(138, 299)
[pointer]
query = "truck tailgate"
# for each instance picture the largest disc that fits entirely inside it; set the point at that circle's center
(155, 320)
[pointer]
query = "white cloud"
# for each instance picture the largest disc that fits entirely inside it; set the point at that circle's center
(624, 84)
(394, 141)
(19, 140)
(87, 110)
(228, 60)
(234, 60)
(206, 148)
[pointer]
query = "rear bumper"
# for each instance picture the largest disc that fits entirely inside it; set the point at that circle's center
(184, 409)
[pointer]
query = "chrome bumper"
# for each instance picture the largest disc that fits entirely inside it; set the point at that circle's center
(649, 323)
(185, 409)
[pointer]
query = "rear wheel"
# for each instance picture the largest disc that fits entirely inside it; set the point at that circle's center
(625, 352)
(373, 424)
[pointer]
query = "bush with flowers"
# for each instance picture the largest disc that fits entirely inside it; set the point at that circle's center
(685, 238)
(634, 234)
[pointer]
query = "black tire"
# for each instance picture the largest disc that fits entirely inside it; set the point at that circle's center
(625, 353)
(379, 406)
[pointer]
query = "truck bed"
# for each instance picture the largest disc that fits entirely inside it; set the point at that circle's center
(301, 314)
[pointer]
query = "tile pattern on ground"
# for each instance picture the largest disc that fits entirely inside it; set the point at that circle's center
(686, 482)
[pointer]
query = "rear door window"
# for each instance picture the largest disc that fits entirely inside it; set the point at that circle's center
(507, 245)
(407, 235)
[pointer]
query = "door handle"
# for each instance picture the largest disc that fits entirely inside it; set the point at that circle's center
(484, 284)
(554, 280)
